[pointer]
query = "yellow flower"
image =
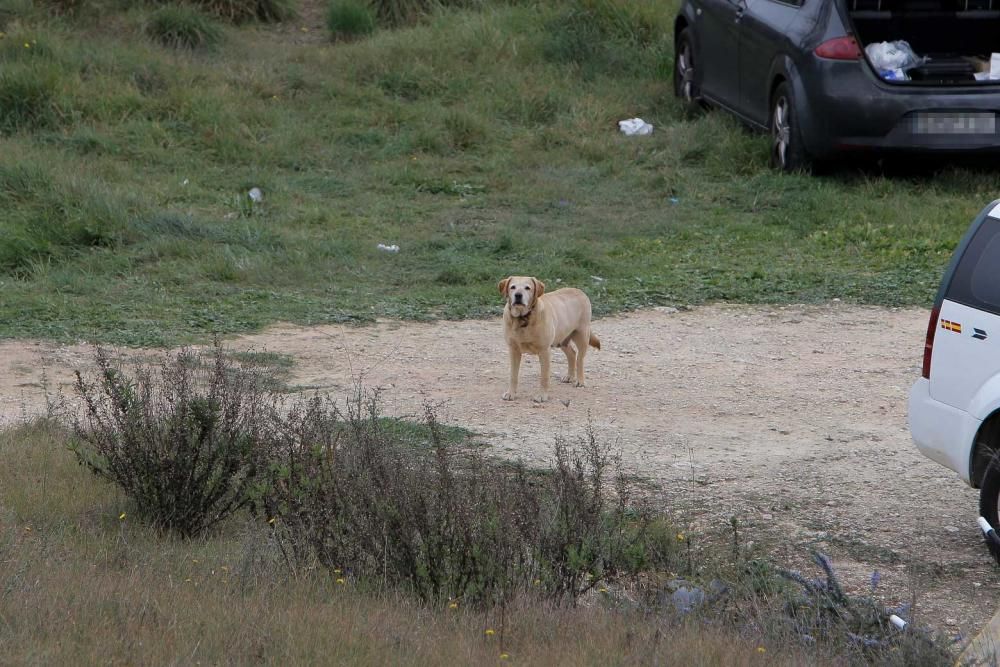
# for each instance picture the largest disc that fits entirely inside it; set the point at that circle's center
(121, 517)
(341, 582)
(602, 589)
(504, 656)
(453, 605)
(537, 582)
(680, 537)
(761, 649)
(27, 46)
(338, 571)
(271, 521)
(490, 632)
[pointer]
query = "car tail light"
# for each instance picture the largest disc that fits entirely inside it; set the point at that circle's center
(841, 48)
(929, 341)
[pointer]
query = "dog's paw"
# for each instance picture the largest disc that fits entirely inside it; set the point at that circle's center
(508, 396)
(579, 384)
(541, 398)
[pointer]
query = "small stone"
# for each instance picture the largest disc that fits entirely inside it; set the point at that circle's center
(766, 517)
(950, 621)
(951, 529)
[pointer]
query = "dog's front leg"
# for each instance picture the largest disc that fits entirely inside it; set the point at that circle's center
(545, 360)
(515, 367)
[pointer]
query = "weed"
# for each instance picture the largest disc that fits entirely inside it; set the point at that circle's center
(350, 18)
(182, 27)
(439, 519)
(13, 10)
(28, 98)
(180, 442)
(241, 11)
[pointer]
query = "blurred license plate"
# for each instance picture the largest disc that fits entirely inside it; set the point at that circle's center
(955, 123)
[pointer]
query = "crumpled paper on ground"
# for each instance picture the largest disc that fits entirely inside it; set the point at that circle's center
(635, 127)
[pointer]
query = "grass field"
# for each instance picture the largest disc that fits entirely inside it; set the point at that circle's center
(482, 143)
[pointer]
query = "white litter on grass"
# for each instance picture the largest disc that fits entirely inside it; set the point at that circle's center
(635, 127)
(256, 195)
(388, 248)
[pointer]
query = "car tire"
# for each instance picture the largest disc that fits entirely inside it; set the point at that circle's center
(787, 150)
(989, 500)
(685, 87)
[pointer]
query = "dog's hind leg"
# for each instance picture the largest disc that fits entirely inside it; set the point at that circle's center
(580, 339)
(570, 352)
(545, 361)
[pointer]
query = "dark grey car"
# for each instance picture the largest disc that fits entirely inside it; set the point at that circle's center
(799, 69)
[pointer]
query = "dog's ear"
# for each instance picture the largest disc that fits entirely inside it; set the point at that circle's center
(539, 287)
(502, 286)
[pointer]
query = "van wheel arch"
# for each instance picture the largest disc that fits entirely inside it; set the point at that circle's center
(985, 449)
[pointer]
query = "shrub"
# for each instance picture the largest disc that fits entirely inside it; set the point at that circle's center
(11, 10)
(438, 518)
(241, 11)
(27, 98)
(182, 27)
(179, 441)
(396, 13)
(350, 18)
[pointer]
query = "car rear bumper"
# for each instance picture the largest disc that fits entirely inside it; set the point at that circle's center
(942, 433)
(847, 108)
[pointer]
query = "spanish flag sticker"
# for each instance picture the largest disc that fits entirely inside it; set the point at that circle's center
(951, 326)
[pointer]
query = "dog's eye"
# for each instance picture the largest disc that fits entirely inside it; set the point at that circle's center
(528, 289)
(513, 287)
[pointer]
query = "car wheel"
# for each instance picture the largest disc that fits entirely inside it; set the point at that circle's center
(989, 500)
(685, 87)
(787, 151)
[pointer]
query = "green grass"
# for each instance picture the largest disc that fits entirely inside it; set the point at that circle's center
(483, 143)
(183, 27)
(350, 18)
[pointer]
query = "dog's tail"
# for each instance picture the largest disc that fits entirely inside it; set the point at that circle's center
(595, 342)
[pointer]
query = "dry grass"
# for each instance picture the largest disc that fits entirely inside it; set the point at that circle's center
(80, 585)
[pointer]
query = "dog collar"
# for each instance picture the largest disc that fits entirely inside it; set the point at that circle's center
(524, 319)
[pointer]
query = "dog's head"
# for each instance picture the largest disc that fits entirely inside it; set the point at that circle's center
(521, 292)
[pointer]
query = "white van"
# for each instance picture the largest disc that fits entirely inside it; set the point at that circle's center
(954, 407)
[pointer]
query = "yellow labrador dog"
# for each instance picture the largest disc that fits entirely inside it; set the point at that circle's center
(534, 322)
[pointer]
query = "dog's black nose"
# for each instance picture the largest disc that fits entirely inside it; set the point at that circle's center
(517, 298)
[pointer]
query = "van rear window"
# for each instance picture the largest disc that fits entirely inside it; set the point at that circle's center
(976, 282)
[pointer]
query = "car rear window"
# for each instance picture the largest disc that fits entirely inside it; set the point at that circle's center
(976, 282)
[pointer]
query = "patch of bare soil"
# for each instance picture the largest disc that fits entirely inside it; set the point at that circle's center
(791, 419)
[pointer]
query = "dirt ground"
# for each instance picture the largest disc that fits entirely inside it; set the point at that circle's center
(792, 419)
